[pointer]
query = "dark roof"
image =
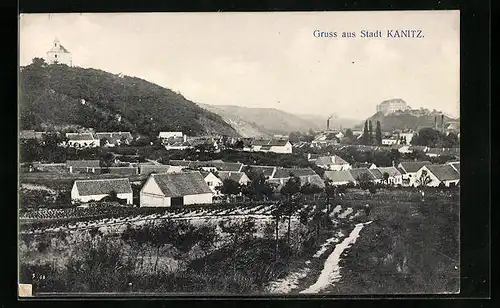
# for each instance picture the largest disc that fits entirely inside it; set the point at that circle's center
(81, 136)
(311, 179)
(285, 172)
(226, 166)
(330, 160)
(456, 165)
(266, 147)
(181, 184)
(235, 176)
(83, 163)
(148, 169)
(444, 172)
(377, 174)
(357, 172)
(103, 186)
(266, 170)
(339, 176)
(392, 171)
(413, 166)
(270, 142)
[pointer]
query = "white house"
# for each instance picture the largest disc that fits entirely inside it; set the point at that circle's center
(390, 141)
(115, 138)
(175, 189)
(83, 140)
(332, 163)
(433, 175)
(239, 177)
(167, 135)
(213, 182)
(59, 55)
(87, 190)
(409, 171)
(273, 145)
(395, 177)
(86, 166)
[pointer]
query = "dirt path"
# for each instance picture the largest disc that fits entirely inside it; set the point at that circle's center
(331, 270)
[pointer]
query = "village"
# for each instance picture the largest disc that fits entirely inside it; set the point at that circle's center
(205, 182)
(112, 200)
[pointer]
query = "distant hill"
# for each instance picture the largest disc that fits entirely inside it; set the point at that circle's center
(72, 96)
(243, 127)
(405, 120)
(268, 121)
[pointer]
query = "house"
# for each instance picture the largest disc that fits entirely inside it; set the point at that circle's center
(456, 165)
(167, 135)
(239, 177)
(83, 140)
(146, 169)
(327, 138)
(275, 145)
(58, 54)
(212, 181)
(339, 177)
(209, 165)
(306, 175)
(359, 173)
(420, 148)
(30, 134)
(87, 190)
(115, 138)
(332, 163)
(87, 166)
(267, 171)
(175, 189)
(125, 171)
(405, 149)
(434, 175)
(395, 177)
(409, 170)
(366, 165)
(390, 141)
(377, 175)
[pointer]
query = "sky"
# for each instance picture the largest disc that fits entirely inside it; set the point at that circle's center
(268, 59)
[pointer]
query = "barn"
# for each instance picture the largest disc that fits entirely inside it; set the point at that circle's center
(87, 190)
(175, 189)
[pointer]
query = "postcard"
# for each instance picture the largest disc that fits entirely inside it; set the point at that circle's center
(239, 154)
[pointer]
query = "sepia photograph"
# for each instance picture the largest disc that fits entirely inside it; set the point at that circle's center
(239, 154)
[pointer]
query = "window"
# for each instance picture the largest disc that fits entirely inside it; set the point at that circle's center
(210, 183)
(55, 56)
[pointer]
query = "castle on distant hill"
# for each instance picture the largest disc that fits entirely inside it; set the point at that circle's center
(392, 105)
(59, 54)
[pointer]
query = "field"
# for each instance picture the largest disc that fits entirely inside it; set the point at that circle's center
(402, 245)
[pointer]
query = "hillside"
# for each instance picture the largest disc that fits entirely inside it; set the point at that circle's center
(244, 128)
(404, 120)
(59, 95)
(263, 121)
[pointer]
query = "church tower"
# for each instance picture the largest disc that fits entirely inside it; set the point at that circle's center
(58, 54)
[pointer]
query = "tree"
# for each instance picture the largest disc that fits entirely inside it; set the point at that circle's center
(364, 180)
(38, 62)
(365, 139)
(378, 134)
(386, 177)
(349, 134)
(230, 187)
(239, 144)
(290, 189)
(424, 179)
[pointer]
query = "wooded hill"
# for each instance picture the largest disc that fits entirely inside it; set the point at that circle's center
(61, 95)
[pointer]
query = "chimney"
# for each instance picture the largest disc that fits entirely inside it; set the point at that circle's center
(328, 124)
(435, 122)
(442, 122)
